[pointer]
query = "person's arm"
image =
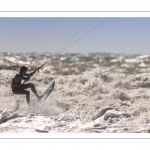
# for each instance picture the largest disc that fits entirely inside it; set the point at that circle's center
(27, 77)
(29, 74)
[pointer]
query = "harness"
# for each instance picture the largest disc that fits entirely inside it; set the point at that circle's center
(13, 85)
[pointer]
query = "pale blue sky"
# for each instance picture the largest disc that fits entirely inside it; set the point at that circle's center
(116, 35)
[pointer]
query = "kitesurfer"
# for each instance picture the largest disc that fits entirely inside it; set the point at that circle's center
(18, 88)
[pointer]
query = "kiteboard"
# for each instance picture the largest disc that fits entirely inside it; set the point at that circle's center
(48, 91)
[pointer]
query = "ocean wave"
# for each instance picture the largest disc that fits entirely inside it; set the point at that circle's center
(70, 64)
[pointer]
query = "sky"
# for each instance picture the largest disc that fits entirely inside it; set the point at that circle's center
(82, 34)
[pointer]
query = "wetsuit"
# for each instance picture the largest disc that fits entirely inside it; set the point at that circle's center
(18, 88)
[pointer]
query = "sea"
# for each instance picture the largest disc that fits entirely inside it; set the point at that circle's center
(94, 92)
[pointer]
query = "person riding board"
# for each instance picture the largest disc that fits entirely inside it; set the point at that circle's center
(18, 88)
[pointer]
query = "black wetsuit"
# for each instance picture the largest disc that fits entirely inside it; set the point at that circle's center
(18, 88)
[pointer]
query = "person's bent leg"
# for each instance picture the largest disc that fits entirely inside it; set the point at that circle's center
(28, 97)
(24, 92)
(31, 85)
